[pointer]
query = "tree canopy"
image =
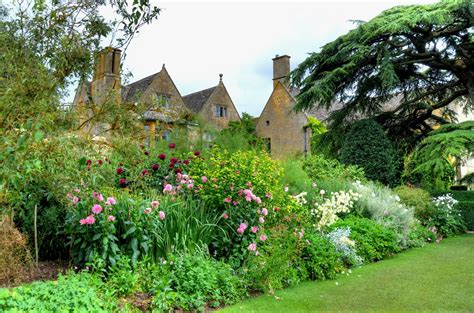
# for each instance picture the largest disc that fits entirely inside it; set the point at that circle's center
(417, 58)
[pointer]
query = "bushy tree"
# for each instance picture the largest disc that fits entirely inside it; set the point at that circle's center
(368, 146)
(417, 58)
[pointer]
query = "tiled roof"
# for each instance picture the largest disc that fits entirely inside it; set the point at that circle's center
(131, 91)
(196, 100)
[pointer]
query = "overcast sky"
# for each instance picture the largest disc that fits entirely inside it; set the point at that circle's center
(197, 41)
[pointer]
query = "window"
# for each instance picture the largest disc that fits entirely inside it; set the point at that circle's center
(163, 101)
(268, 123)
(166, 135)
(221, 111)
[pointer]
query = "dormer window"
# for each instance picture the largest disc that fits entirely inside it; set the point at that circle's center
(164, 101)
(221, 111)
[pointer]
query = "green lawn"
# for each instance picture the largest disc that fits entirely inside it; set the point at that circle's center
(438, 277)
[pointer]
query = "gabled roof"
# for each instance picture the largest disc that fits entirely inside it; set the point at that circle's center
(195, 101)
(130, 91)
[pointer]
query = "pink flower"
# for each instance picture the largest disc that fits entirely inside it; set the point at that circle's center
(190, 186)
(258, 200)
(204, 179)
(248, 198)
(77, 190)
(155, 204)
(242, 228)
(69, 195)
(235, 203)
(162, 215)
(261, 220)
(96, 209)
(252, 247)
(263, 237)
(225, 216)
(227, 200)
(75, 200)
(254, 229)
(249, 184)
(88, 220)
(167, 188)
(265, 211)
(268, 195)
(110, 201)
(111, 218)
(147, 211)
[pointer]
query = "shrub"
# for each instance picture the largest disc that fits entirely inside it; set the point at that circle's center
(417, 198)
(382, 205)
(467, 211)
(199, 281)
(368, 146)
(420, 235)
(447, 219)
(74, 292)
(294, 177)
(15, 258)
(320, 257)
(345, 246)
(279, 262)
(318, 167)
(374, 242)
(326, 212)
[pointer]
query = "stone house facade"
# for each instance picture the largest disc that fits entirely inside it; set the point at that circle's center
(166, 105)
(214, 105)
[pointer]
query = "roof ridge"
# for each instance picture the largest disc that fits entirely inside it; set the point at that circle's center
(191, 94)
(144, 78)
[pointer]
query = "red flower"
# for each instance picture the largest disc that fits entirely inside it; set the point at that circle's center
(155, 167)
(146, 153)
(171, 165)
(120, 164)
(173, 160)
(88, 162)
(145, 172)
(276, 209)
(172, 145)
(186, 162)
(197, 153)
(177, 170)
(99, 162)
(119, 171)
(161, 156)
(122, 182)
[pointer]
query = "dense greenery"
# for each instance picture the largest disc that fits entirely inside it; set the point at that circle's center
(422, 53)
(367, 146)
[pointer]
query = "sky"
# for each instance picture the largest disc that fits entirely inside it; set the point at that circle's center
(199, 40)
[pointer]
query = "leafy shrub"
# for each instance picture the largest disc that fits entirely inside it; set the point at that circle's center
(198, 281)
(382, 205)
(368, 146)
(417, 198)
(294, 176)
(81, 292)
(122, 277)
(374, 242)
(15, 258)
(326, 211)
(345, 246)
(447, 219)
(420, 235)
(467, 211)
(318, 167)
(320, 257)
(279, 262)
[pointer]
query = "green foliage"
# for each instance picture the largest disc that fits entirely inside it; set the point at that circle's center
(83, 292)
(418, 199)
(420, 235)
(467, 211)
(294, 176)
(318, 167)
(122, 278)
(239, 135)
(320, 258)
(382, 205)
(446, 219)
(198, 281)
(381, 58)
(279, 263)
(433, 162)
(368, 147)
(373, 241)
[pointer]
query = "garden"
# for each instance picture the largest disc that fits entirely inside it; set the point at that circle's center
(121, 222)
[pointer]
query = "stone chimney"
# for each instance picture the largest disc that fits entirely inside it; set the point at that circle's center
(281, 69)
(106, 81)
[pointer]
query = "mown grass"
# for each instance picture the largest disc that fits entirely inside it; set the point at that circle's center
(435, 278)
